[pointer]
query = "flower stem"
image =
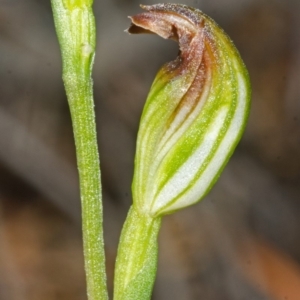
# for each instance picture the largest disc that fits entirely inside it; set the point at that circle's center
(75, 26)
(136, 263)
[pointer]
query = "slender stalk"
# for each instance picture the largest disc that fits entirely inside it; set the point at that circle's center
(75, 28)
(136, 263)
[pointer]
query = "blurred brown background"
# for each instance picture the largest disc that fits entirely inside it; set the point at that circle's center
(240, 243)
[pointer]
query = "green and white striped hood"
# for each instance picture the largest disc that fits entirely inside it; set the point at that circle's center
(195, 112)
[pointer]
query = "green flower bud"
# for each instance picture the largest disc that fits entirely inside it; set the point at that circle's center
(194, 115)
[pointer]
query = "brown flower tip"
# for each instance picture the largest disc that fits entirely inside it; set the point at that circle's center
(170, 21)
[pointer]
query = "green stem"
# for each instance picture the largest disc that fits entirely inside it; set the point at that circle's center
(136, 262)
(75, 26)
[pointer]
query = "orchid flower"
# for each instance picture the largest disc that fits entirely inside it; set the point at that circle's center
(192, 120)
